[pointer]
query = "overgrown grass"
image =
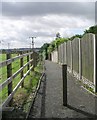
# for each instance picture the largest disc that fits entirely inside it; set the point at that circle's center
(88, 88)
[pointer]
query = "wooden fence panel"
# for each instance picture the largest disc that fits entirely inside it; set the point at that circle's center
(87, 49)
(62, 52)
(65, 52)
(69, 54)
(75, 50)
(59, 53)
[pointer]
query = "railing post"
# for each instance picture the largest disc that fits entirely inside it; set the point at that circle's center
(36, 58)
(31, 57)
(28, 61)
(9, 74)
(64, 76)
(21, 65)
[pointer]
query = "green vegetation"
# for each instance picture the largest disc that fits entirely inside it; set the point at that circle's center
(46, 49)
(92, 29)
(54, 45)
(23, 96)
(88, 88)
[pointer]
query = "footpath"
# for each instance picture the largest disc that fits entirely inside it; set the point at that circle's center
(49, 100)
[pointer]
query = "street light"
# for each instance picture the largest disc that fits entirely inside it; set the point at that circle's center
(32, 41)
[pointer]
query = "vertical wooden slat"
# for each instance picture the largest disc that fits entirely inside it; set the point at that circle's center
(9, 74)
(95, 63)
(71, 50)
(35, 57)
(80, 60)
(32, 57)
(21, 65)
(28, 61)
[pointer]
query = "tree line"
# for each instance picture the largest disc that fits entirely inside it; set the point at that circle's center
(47, 48)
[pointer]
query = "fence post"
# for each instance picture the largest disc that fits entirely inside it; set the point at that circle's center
(66, 52)
(28, 61)
(71, 57)
(64, 76)
(32, 57)
(63, 53)
(21, 65)
(9, 74)
(80, 60)
(36, 59)
(95, 63)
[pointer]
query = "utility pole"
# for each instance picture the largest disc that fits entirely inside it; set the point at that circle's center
(8, 45)
(32, 41)
(1, 43)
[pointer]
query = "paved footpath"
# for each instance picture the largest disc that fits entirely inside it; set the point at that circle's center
(49, 104)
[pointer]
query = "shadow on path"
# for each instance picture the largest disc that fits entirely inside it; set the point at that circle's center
(42, 115)
(82, 112)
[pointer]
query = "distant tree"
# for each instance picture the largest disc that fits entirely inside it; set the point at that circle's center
(59, 41)
(75, 36)
(51, 47)
(92, 29)
(44, 49)
(58, 35)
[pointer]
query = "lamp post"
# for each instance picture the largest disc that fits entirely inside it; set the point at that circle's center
(32, 41)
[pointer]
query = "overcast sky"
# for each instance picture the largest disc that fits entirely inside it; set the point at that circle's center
(21, 20)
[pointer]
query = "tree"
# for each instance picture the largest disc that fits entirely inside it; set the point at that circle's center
(58, 35)
(92, 29)
(75, 36)
(44, 49)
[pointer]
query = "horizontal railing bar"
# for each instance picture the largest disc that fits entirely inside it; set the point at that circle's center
(13, 76)
(7, 62)
(15, 89)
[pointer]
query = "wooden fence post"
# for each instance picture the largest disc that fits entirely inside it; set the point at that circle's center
(36, 58)
(32, 57)
(9, 74)
(21, 65)
(28, 61)
(95, 63)
(80, 60)
(71, 57)
(64, 76)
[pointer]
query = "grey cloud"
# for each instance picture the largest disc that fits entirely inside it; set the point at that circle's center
(20, 9)
(96, 12)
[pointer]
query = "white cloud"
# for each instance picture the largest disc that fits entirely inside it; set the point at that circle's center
(17, 30)
(48, 1)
